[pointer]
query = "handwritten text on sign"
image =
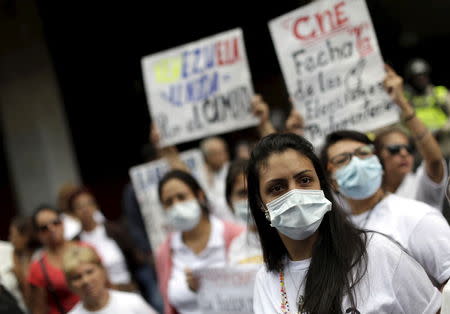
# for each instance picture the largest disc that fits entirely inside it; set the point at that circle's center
(332, 66)
(145, 179)
(227, 290)
(199, 89)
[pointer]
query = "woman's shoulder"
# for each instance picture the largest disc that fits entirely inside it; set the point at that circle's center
(379, 244)
(406, 209)
(131, 299)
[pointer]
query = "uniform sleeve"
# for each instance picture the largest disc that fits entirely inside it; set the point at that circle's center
(429, 244)
(413, 289)
(429, 191)
(35, 275)
(261, 295)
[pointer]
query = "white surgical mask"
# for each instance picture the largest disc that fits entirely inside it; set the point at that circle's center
(184, 216)
(241, 211)
(361, 178)
(298, 213)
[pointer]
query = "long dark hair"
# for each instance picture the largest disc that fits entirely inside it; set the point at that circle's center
(340, 250)
(237, 167)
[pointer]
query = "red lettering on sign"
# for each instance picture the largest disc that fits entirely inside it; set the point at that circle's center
(297, 32)
(227, 51)
(321, 23)
(340, 18)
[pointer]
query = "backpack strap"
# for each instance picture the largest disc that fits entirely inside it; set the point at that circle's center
(50, 287)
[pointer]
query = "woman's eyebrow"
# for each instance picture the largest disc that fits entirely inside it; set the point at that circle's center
(302, 173)
(276, 180)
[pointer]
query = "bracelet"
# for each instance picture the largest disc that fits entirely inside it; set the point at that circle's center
(409, 117)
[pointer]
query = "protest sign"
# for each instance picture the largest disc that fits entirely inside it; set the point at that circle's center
(227, 290)
(332, 66)
(199, 89)
(145, 179)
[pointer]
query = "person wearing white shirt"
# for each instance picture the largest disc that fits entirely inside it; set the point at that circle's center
(199, 240)
(357, 176)
(395, 152)
(315, 260)
(88, 279)
(246, 248)
(109, 239)
(427, 183)
(216, 155)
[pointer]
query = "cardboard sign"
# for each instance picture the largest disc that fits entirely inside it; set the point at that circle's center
(199, 89)
(227, 290)
(332, 66)
(145, 179)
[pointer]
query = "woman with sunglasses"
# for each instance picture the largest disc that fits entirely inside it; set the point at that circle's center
(316, 261)
(395, 151)
(50, 293)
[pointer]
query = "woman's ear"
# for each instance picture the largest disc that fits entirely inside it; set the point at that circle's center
(201, 197)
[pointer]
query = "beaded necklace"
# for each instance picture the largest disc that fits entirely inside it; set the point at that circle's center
(284, 299)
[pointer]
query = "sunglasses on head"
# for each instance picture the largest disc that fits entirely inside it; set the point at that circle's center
(395, 149)
(45, 228)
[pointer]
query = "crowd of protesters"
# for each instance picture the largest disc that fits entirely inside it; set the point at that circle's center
(355, 228)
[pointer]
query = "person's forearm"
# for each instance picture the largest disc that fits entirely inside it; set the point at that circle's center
(425, 142)
(266, 129)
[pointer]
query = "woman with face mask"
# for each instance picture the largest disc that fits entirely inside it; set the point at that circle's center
(198, 240)
(357, 174)
(246, 248)
(316, 261)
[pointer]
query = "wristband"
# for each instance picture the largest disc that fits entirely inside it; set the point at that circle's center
(409, 117)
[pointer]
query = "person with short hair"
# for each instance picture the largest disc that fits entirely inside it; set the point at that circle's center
(198, 240)
(315, 260)
(110, 239)
(217, 162)
(88, 279)
(357, 175)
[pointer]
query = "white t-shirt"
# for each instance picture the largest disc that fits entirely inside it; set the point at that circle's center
(215, 191)
(72, 226)
(393, 283)
(7, 276)
(119, 303)
(418, 186)
(180, 296)
(245, 249)
(446, 299)
(110, 253)
(418, 227)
